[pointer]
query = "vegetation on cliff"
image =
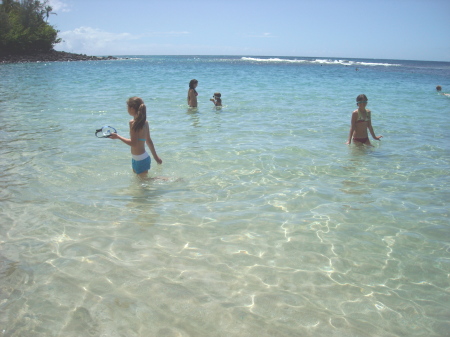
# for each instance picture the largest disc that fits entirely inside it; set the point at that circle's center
(24, 28)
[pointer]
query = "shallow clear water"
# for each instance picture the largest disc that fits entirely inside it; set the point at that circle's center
(267, 224)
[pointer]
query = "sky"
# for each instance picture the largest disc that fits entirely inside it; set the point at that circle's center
(377, 29)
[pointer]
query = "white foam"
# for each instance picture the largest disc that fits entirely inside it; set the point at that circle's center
(272, 60)
(319, 61)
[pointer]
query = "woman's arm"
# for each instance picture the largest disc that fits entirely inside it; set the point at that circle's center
(192, 98)
(352, 127)
(369, 126)
(372, 132)
(133, 141)
(150, 145)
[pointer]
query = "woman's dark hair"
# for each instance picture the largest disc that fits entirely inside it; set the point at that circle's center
(191, 84)
(361, 98)
(138, 104)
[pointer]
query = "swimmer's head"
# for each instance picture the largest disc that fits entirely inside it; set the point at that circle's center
(438, 88)
(193, 84)
(217, 95)
(361, 99)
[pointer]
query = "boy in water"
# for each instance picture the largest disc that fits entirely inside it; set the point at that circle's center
(216, 99)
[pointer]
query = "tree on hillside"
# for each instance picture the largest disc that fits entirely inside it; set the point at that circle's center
(24, 28)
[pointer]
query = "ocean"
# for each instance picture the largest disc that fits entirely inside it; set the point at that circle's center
(265, 222)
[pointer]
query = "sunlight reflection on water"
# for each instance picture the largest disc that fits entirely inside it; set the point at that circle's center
(267, 223)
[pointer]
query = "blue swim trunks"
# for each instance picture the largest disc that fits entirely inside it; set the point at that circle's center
(141, 163)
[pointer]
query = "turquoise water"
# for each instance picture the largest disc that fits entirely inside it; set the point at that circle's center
(267, 223)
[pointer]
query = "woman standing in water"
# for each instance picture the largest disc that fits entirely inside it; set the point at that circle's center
(360, 122)
(139, 135)
(192, 94)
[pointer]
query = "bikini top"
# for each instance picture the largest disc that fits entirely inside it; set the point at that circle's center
(362, 119)
(141, 139)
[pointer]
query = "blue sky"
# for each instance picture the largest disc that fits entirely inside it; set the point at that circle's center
(387, 29)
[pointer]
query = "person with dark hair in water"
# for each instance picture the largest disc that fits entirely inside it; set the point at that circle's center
(361, 122)
(192, 94)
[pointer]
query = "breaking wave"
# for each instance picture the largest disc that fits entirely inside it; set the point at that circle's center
(319, 61)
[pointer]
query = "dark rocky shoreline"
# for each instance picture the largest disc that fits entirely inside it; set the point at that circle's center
(50, 57)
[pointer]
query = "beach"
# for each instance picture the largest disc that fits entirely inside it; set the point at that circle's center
(268, 224)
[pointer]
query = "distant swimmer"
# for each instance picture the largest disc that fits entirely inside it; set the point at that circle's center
(217, 100)
(192, 94)
(361, 121)
(439, 88)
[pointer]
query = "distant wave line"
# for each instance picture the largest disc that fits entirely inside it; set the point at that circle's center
(320, 61)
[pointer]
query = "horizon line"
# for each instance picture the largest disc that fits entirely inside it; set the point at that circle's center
(250, 55)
